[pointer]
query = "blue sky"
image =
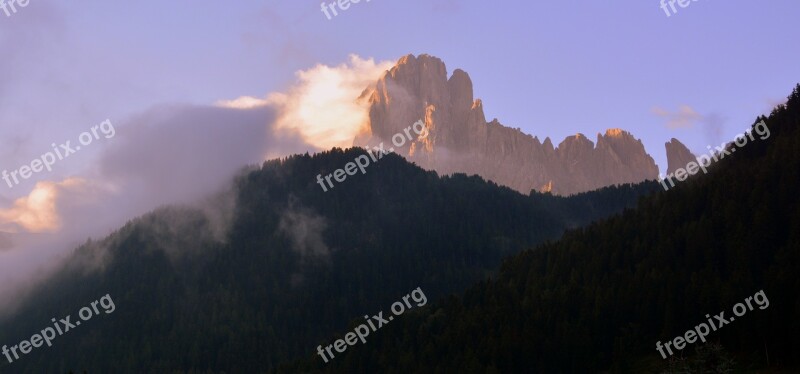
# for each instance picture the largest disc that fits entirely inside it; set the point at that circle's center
(551, 68)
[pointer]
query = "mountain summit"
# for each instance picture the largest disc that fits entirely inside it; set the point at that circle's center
(460, 140)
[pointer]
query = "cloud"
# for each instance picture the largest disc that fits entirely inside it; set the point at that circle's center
(177, 154)
(167, 155)
(322, 107)
(685, 117)
(244, 102)
(712, 127)
(182, 154)
(304, 228)
(38, 212)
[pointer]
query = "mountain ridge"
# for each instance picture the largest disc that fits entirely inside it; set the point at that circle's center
(459, 138)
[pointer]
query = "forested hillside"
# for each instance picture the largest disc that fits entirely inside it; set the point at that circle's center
(241, 290)
(601, 297)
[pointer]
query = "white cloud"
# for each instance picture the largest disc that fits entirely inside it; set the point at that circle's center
(39, 211)
(322, 107)
(243, 102)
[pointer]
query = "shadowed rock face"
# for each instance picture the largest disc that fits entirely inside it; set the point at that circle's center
(459, 139)
(677, 156)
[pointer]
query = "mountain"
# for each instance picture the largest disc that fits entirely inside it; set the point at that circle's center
(265, 272)
(600, 298)
(460, 140)
(677, 156)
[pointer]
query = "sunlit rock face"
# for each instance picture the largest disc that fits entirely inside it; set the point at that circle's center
(459, 139)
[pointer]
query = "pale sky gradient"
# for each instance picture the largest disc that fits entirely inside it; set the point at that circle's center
(551, 68)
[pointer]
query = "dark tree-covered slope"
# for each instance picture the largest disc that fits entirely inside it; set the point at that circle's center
(294, 266)
(601, 297)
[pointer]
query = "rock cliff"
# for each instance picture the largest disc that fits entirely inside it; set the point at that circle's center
(459, 139)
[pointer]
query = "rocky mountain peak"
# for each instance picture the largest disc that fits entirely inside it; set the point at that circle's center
(461, 140)
(677, 155)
